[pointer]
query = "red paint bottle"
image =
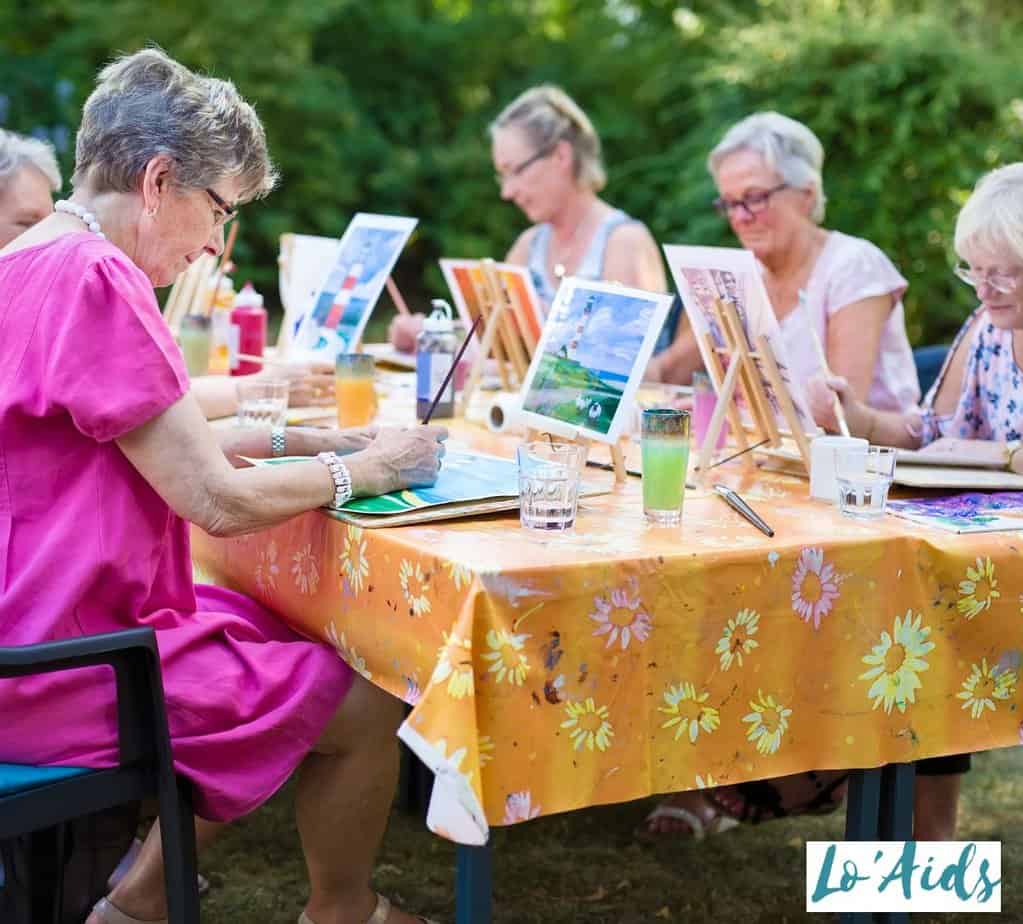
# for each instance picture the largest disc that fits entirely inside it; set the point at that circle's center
(249, 316)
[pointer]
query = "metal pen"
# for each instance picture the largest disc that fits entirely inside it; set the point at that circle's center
(742, 508)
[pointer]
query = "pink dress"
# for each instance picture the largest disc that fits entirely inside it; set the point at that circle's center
(87, 546)
(848, 270)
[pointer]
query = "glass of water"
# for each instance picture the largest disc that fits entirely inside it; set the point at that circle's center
(262, 403)
(864, 476)
(549, 476)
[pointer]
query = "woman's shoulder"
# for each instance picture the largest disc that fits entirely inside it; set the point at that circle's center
(76, 255)
(519, 252)
(845, 249)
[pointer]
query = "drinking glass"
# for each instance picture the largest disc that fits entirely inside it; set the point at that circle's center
(262, 403)
(864, 476)
(194, 339)
(355, 390)
(549, 476)
(665, 449)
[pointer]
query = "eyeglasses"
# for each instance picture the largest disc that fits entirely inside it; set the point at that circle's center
(224, 212)
(752, 203)
(1002, 283)
(519, 169)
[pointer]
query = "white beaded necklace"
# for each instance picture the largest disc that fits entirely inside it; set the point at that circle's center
(80, 212)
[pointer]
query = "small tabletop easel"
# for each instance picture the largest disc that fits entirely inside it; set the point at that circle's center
(617, 448)
(752, 371)
(505, 337)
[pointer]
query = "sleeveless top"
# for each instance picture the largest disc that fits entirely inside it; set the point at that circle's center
(590, 267)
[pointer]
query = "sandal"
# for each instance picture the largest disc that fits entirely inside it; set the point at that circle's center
(379, 915)
(762, 801)
(111, 914)
(718, 823)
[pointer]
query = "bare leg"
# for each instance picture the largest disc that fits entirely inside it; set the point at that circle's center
(692, 801)
(935, 807)
(345, 788)
(140, 894)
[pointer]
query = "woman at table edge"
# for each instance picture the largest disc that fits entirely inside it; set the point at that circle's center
(978, 394)
(113, 457)
(768, 172)
(547, 161)
(29, 174)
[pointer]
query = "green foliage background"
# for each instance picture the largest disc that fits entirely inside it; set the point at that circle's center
(383, 106)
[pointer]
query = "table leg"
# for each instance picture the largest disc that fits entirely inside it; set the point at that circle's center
(895, 817)
(862, 814)
(474, 885)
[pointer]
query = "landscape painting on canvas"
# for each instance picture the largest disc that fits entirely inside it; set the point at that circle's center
(595, 346)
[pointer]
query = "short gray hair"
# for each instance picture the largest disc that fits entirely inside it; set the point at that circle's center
(18, 151)
(992, 218)
(788, 147)
(547, 115)
(147, 104)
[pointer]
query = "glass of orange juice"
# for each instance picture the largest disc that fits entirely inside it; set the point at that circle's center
(356, 393)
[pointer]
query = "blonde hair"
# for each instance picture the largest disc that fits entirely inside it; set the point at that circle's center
(147, 104)
(788, 147)
(992, 218)
(548, 115)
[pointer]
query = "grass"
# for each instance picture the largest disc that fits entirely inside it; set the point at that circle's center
(586, 867)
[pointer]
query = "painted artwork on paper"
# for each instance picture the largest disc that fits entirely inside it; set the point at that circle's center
(331, 322)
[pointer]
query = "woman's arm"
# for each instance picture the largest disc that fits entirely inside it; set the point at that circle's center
(632, 258)
(298, 441)
(679, 361)
(854, 341)
(309, 384)
(178, 454)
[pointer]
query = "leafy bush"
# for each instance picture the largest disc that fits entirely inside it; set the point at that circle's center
(383, 107)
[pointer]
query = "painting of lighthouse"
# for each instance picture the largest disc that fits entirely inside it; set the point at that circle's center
(595, 345)
(335, 315)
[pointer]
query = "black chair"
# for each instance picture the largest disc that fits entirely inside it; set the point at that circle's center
(38, 800)
(928, 361)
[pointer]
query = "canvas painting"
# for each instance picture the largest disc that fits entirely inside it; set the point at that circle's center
(332, 319)
(705, 274)
(465, 281)
(590, 360)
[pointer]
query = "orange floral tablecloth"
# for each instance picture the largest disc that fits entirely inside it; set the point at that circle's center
(553, 672)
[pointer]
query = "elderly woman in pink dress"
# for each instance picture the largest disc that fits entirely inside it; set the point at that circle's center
(105, 458)
(768, 173)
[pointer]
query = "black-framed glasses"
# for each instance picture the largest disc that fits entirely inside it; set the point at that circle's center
(519, 169)
(226, 211)
(752, 203)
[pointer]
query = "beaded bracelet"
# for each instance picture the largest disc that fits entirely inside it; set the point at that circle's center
(342, 477)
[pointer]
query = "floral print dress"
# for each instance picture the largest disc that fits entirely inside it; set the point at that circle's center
(990, 405)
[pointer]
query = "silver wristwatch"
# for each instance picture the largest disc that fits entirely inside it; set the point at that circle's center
(277, 442)
(342, 478)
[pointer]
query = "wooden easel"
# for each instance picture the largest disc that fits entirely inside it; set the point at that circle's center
(745, 373)
(617, 449)
(505, 337)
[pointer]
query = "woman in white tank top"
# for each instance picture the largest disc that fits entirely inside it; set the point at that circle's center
(547, 161)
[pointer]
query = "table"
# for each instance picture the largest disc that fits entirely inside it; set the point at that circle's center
(553, 672)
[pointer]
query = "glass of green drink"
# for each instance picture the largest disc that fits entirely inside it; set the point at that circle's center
(665, 460)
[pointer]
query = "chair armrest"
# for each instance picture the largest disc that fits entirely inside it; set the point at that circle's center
(134, 657)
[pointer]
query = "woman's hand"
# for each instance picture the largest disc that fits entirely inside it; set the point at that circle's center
(403, 331)
(821, 391)
(396, 460)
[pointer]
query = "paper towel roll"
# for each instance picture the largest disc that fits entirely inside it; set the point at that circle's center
(505, 414)
(823, 481)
